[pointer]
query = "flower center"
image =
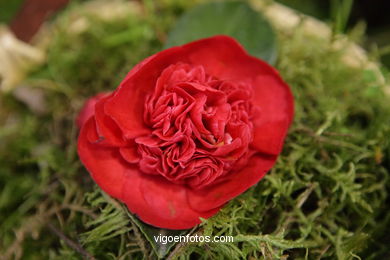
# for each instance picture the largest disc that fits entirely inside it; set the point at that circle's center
(201, 127)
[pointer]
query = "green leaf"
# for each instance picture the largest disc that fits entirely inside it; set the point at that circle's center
(151, 233)
(236, 19)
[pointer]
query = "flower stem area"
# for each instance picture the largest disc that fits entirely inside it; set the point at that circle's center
(326, 197)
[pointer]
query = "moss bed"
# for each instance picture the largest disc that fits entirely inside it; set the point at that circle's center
(326, 198)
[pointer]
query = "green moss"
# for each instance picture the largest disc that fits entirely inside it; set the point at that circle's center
(326, 196)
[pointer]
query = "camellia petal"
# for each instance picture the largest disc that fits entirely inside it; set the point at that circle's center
(159, 202)
(105, 164)
(216, 195)
(127, 104)
(88, 109)
(228, 61)
(274, 98)
(106, 126)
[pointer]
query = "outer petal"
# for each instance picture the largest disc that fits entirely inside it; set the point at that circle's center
(105, 164)
(127, 104)
(223, 57)
(275, 100)
(216, 195)
(159, 202)
(106, 126)
(88, 109)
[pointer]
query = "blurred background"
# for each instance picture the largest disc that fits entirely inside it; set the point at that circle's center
(371, 15)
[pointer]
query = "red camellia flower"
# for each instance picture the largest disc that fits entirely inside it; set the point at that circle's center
(188, 129)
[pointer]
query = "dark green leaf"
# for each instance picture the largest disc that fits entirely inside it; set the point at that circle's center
(236, 19)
